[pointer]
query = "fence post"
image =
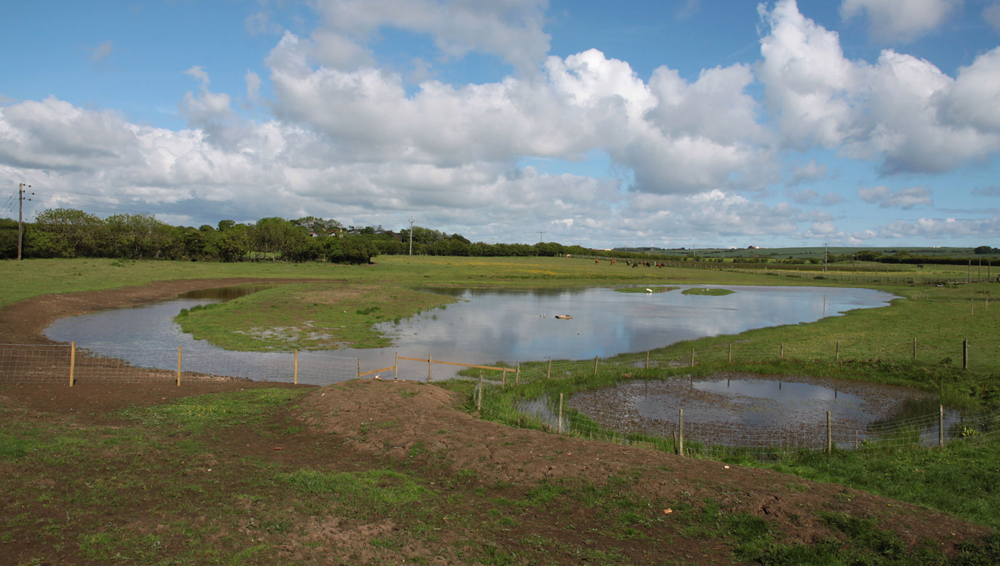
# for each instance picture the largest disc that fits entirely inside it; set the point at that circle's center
(965, 354)
(295, 376)
(647, 359)
(730, 352)
(914, 348)
(503, 380)
(595, 364)
(829, 433)
(548, 373)
(680, 434)
(430, 368)
(560, 412)
(692, 357)
(395, 367)
(479, 402)
(781, 351)
(940, 425)
(359, 368)
(838, 350)
(72, 361)
(517, 374)
(178, 366)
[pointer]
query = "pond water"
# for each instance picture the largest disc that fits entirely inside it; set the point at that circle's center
(484, 326)
(748, 410)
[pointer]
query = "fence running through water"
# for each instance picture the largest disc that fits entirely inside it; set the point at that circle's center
(66, 364)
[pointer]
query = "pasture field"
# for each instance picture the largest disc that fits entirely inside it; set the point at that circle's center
(235, 476)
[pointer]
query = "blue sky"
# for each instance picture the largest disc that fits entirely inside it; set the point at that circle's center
(643, 123)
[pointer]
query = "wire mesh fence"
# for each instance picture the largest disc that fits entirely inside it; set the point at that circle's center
(66, 364)
(716, 439)
(20, 363)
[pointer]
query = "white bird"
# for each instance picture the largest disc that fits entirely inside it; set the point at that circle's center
(650, 291)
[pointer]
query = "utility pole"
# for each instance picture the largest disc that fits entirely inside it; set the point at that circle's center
(540, 232)
(20, 216)
(411, 236)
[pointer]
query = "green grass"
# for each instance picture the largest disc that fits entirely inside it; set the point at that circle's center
(311, 316)
(709, 292)
(194, 414)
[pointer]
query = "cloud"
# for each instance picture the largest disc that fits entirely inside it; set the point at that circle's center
(903, 198)
(901, 110)
(991, 14)
(687, 10)
(101, 52)
(260, 23)
(991, 191)
(937, 229)
(807, 196)
(809, 172)
(900, 20)
(510, 29)
(253, 85)
(198, 73)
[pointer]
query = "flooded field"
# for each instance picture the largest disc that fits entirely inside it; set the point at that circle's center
(483, 327)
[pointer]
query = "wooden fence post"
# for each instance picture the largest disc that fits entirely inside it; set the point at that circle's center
(595, 364)
(940, 425)
(647, 359)
(838, 350)
(430, 368)
(295, 376)
(730, 352)
(395, 368)
(72, 361)
(503, 380)
(781, 351)
(560, 412)
(517, 374)
(965, 354)
(178, 366)
(548, 373)
(359, 368)
(829, 433)
(479, 402)
(680, 433)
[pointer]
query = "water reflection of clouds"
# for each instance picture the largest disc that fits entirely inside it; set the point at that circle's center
(504, 325)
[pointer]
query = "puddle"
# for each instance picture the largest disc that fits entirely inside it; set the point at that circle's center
(746, 410)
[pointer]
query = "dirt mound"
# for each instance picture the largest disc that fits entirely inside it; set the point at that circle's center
(406, 418)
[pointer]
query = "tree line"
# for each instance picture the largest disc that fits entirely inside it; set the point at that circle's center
(69, 233)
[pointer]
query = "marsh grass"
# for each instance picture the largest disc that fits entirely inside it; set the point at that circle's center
(707, 292)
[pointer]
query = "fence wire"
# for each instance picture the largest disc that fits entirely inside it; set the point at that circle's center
(499, 400)
(21, 363)
(55, 364)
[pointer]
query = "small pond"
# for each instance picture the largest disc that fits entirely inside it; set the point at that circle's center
(485, 326)
(748, 410)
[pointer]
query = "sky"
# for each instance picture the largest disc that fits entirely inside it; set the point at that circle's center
(687, 123)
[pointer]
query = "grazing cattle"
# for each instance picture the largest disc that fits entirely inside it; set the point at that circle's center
(612, 262)
(635, 265)
(659, 265)
(597, 261)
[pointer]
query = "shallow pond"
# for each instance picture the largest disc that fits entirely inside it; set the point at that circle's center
(747, 410)
(483, 327)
